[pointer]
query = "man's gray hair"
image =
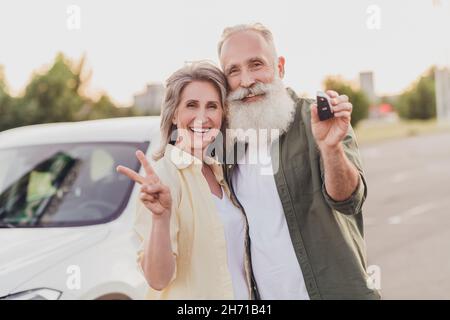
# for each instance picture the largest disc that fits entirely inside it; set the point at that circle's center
(257, 27)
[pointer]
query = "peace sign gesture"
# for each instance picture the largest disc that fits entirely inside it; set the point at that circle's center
(154, 195)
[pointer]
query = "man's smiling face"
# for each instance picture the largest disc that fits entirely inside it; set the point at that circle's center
(247, 58)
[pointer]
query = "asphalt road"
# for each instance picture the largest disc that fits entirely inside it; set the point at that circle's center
(407, 215)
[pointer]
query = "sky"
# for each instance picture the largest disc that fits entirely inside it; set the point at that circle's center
(128, 44)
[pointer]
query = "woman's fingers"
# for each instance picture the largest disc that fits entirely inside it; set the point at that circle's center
(159, 194)
(153, 189)
(154, 195)
(147, 197)
(149, 172)
(155, 207)
(151, 175)
(130, 174)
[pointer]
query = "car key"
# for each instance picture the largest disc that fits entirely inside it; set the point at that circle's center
(324, 106)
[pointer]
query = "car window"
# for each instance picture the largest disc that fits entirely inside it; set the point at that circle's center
(65, 184)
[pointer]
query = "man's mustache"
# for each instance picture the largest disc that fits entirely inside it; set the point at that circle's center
(240, 93)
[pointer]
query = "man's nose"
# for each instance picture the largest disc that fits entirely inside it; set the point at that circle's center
(246, 79)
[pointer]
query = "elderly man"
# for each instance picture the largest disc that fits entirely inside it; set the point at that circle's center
(305, 219)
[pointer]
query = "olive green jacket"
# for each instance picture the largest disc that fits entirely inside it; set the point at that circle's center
(327, 236)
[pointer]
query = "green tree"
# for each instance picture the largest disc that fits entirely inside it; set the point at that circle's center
(52, 96)
(419, 101)
(56, 95)
(105, 108)
(358, 98)
(8, 115)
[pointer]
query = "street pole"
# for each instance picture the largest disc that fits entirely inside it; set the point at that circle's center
(442, 89)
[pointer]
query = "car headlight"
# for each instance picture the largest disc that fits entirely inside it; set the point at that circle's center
(35, 294)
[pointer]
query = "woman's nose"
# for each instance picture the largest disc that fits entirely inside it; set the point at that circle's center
(200, 119)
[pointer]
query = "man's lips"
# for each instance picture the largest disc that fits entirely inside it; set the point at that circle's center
(252, 97)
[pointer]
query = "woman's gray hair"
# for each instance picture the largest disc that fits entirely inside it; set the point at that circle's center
(257, 27)
(175, 84)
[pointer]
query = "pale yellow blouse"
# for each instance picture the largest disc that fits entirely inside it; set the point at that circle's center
(197, 233)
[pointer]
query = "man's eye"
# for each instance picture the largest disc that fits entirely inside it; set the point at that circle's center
(232, 71)
(213, 106)
(191, 105)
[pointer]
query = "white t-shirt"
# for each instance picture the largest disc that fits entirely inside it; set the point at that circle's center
(234, 226)
(275, 266)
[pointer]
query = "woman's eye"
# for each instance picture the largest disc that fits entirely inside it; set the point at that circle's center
(213, 106)
(191, 105)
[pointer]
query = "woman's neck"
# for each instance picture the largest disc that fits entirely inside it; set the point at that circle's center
(198, 153)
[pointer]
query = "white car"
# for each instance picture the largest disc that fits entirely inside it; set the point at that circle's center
(66, 215)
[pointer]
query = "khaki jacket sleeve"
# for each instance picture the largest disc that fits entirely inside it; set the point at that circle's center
(352, 205)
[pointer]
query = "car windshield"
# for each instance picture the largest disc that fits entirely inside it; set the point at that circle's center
(65, 184)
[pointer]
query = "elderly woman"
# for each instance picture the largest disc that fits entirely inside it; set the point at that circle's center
(193, 237)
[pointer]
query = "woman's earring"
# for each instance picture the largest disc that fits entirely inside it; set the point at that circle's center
(173, 133)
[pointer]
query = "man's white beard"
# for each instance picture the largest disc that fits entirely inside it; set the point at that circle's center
(273, 114)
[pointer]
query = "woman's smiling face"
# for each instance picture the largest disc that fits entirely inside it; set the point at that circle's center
(199, 115)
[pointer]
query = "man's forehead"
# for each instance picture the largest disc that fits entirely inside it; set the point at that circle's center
(243, 46)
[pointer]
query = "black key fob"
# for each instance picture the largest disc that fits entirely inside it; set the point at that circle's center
(324, 106)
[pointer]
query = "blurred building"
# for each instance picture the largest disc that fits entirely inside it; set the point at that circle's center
(442, 83)
(380, 108)
(149, 102)
(367, 86)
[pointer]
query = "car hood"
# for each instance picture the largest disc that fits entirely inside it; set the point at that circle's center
(26, 252)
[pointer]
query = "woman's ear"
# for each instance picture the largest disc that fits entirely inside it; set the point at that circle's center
(174, 119)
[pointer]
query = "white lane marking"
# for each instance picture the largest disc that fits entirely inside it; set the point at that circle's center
(394, 220)
(411, 212)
